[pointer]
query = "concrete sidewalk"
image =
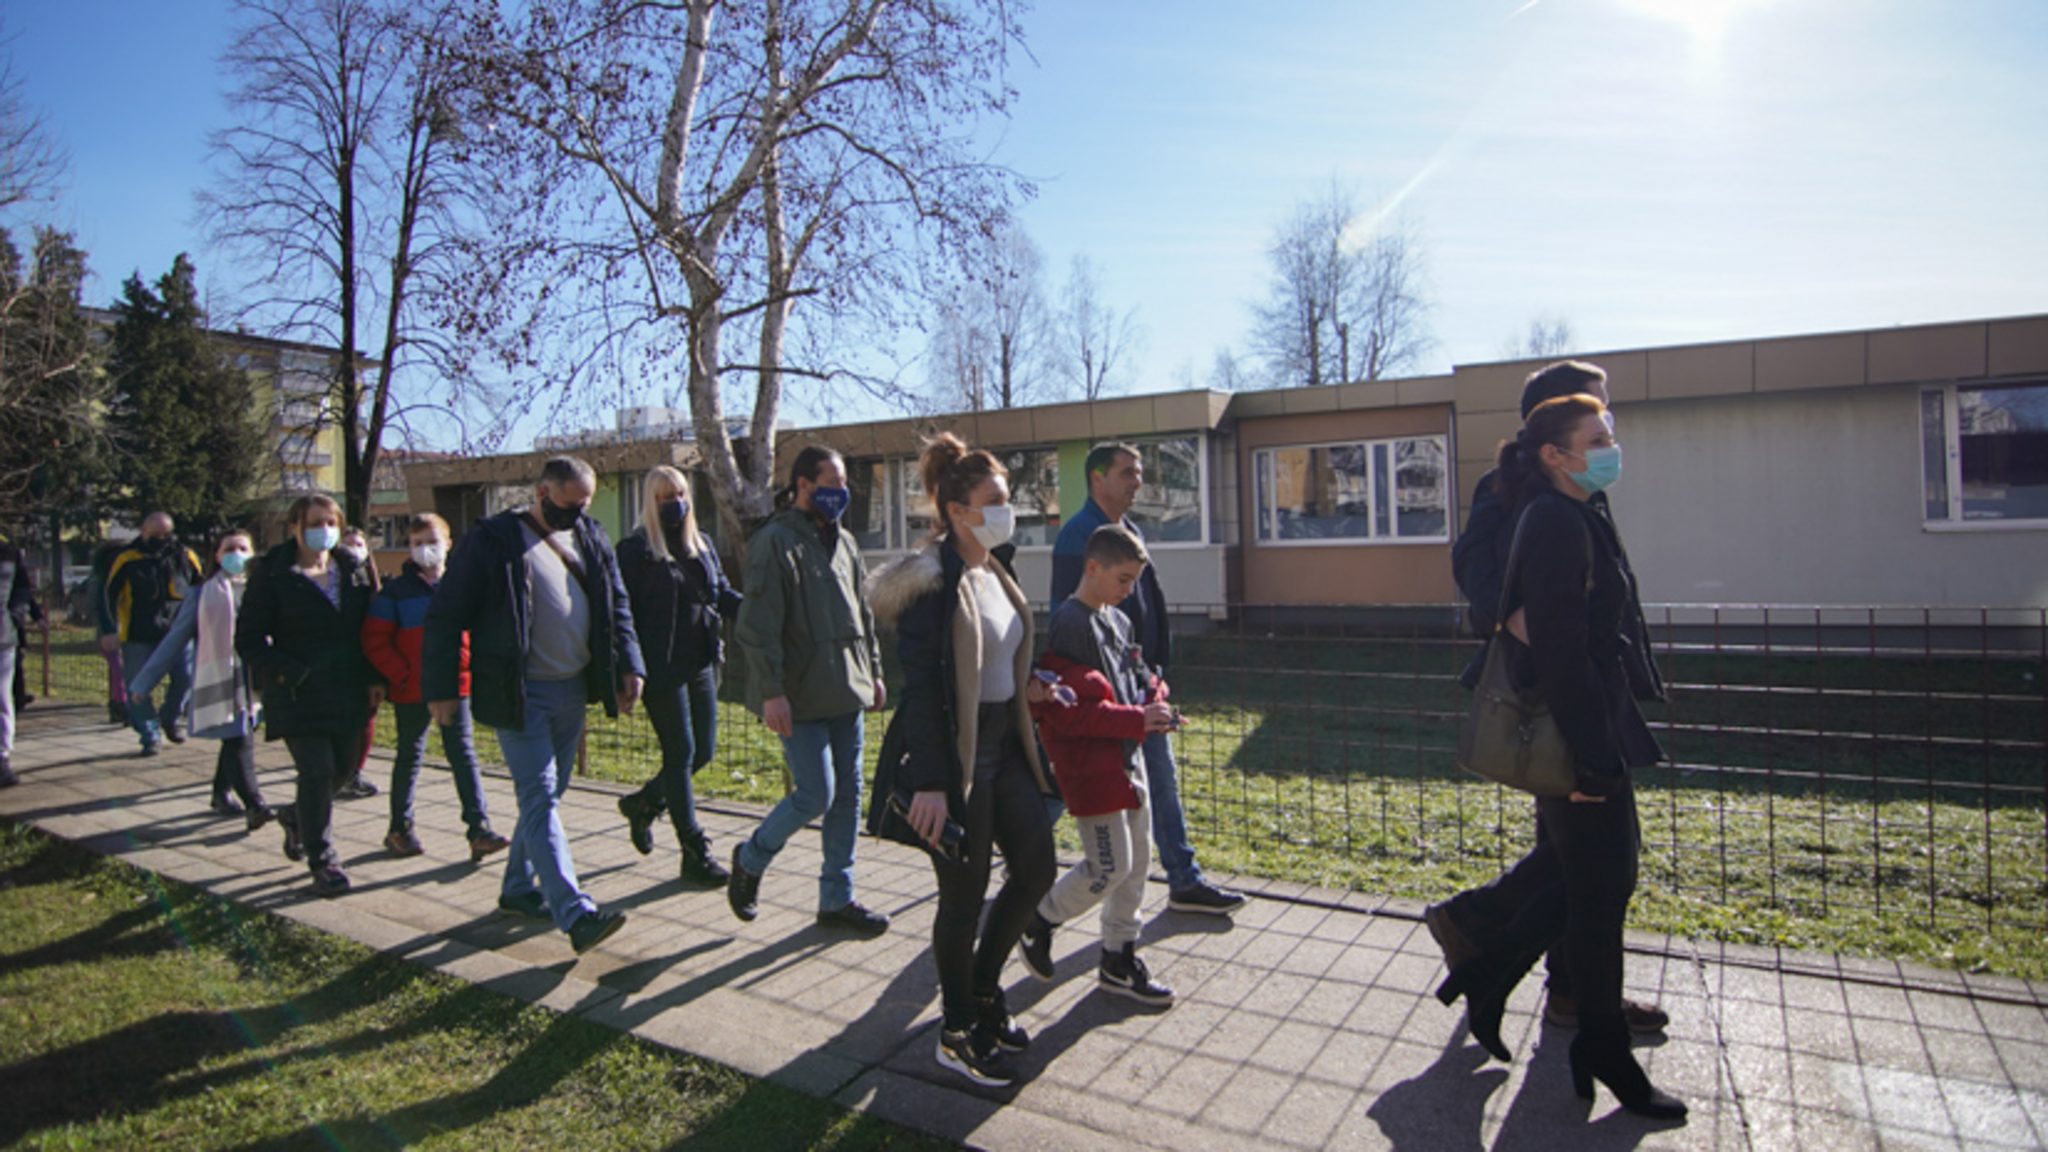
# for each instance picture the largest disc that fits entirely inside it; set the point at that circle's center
(1306, 1023)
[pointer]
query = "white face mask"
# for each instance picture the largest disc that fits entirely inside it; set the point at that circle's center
(428, 556)
(355, 552)
(998, 524)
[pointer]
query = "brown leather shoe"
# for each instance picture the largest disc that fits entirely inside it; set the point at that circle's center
(1561, 1011)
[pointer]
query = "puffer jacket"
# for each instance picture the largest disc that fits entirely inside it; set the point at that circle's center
(304, 652)
(395, 632)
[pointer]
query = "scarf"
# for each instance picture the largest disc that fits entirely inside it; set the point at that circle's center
(221, 704)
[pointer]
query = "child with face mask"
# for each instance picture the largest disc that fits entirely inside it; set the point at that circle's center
(223, 703)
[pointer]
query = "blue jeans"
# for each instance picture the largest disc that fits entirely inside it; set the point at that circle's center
(1169, 823)
(456, 745)
(541, 756)
(141, 712)
(824, 758)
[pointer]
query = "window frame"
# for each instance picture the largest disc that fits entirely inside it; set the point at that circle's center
(1201, 484)
(1265, 512)
(1952, 449)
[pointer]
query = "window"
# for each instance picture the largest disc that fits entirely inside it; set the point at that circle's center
(632, 489)
(1366, 491)
(1984, 454)
(1169, 507)
(1034, 493)
(867, 513)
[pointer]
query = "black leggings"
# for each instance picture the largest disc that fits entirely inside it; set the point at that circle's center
(321, 761)
(1006, 810)
(234, 770)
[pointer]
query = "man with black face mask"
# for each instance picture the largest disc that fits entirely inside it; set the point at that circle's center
(538, 591)
(145, 587)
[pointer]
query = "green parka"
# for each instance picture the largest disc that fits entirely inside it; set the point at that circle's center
(805, 630)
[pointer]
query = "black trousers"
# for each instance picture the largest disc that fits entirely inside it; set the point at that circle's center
(234, 770)
(1532, 889)
(1007, 811)
(322, 762)
(685, 719)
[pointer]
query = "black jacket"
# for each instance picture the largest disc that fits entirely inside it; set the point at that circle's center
(303, 653)
(1576, 656)
(678, 608)
(1480, 559)
(485, 593)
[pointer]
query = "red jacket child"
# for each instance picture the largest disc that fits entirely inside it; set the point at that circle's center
(392, 632)
(1094, 742)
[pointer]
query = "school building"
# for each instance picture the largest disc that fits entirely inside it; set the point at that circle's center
(1895, 466)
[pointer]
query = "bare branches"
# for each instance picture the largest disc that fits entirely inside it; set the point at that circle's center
(31, 164)
(1093, 340)
(1346, 301)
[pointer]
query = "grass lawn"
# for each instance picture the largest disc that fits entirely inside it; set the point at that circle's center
(136, 1013)
(1887, 806)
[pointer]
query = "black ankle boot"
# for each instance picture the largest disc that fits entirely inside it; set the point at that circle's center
(1601, 1052)
(699, 866)
(1486, 983)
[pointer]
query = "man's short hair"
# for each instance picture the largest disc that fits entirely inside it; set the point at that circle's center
(427, 522)
(562, 469)
(1103, 457)
(1564, 378)
(1113, 544)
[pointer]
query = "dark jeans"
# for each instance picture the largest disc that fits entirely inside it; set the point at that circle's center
(234, 770)
(320, 761)
(685, 719)
(1005, 810)
(457, 744)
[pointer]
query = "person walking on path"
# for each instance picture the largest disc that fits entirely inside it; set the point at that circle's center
(144, 586)
(960, 769)
(19, 612)
(392, 635)
(813, 666)
(1115, 474)
(223, 699)
(300, 633)
(355, 544)
(537, 592)
(680, 597)
(1479, 562)
(1096, 745)
(107, 631)
(1572, 593)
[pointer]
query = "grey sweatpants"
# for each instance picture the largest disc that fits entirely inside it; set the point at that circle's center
(1116, 853)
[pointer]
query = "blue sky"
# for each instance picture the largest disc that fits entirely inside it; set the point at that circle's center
(1653, 171)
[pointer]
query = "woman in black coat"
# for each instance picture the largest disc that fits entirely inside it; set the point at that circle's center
(300, 634)
(679, 597)
(1569, 598)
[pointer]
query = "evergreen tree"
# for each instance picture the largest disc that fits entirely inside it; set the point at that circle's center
(187, 435)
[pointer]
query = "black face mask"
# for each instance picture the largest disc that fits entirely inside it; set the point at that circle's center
(558, 518)
(155, 544)
(673, 512)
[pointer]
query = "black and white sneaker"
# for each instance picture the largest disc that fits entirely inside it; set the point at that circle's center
(1035, 946)
(994, 1019)
(975, 1055)
(1206, 898)
(1126, 975)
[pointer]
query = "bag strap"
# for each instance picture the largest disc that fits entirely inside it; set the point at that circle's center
(1507, 581)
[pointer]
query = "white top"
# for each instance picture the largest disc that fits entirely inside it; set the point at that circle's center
(558, 645)
(1002, 633)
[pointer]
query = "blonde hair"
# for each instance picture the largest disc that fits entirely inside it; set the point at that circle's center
(663, 481)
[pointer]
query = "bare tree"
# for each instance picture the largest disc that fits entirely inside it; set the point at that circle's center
(1548, 336)
(1093, 340)
(669, 170)
(995, 334)
(53, 391)
(341, 188)
(1346, 300)
(31, 163)
(1227, 372)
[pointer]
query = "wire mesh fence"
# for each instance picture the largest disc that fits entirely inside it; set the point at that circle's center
(1867, 778)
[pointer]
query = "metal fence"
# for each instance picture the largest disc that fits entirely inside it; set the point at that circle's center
(1880, 768)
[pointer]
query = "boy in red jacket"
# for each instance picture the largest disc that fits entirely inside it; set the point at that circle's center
(1095, 744)
(392, 633)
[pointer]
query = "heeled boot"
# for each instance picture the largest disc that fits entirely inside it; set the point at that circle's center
(1601, 1052)
(1486, 983)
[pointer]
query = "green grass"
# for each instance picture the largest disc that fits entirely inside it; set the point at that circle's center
(1879, 816)
(136, 1013)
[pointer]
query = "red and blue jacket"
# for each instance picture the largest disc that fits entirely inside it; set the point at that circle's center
(394, 631)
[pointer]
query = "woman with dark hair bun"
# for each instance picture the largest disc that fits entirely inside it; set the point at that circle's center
(1568, 591)
(960, 771)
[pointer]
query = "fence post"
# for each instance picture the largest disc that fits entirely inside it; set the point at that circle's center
(46, 649)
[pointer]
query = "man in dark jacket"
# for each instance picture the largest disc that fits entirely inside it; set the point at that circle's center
(538, 591)
(19, 611)
(1115, 473)
(1479, 563)
(145, 586)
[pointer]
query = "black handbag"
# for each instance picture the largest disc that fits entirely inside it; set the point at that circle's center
(1509, 736)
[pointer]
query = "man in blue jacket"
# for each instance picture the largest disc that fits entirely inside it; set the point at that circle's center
(1115, 474)
(539, 593)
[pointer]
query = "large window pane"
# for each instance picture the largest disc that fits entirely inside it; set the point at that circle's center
(1169, 507)
(867, 513)
(1421, 502)
(2003, 437)
(1035, 494)
(917, 507)
(1321, 493)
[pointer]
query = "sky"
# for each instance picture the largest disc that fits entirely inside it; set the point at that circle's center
(1650, 171)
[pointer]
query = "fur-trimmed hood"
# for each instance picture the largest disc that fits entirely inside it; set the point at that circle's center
(902, 582)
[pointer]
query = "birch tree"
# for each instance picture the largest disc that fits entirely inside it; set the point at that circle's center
(1094, 340)
(1346, 300)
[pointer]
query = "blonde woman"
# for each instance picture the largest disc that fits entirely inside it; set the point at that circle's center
(680, 597)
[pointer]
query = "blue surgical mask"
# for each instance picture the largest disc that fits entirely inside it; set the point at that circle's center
(321, 539)
(1603, 468)
(674, 512)
(232, 563)
(831, 502)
